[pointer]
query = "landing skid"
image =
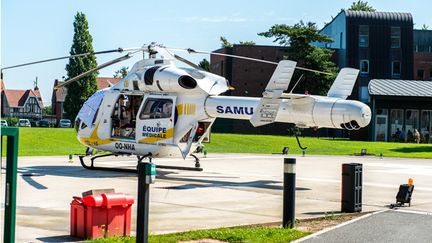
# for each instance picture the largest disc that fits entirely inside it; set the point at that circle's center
(139, 160)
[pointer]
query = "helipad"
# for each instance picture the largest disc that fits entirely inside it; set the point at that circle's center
(233, 189)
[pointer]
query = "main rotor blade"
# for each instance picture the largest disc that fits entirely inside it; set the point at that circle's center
(188, 62)
(72, 56)
(104, 65)
(189, 50)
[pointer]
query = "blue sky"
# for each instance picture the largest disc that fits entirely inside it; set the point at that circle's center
(33, 30)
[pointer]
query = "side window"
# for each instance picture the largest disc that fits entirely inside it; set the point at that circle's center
(396, 69)
(395, 37)
(363, 36)
(364, 66)
(156, 109)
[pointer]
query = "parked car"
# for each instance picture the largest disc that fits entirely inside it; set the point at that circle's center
(64, 123)
(44, 123)
(24, 123)
(4, 123)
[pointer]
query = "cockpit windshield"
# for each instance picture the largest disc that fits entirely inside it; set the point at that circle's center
(90, 107)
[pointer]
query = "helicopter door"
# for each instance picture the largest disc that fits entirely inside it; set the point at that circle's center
(155, 123)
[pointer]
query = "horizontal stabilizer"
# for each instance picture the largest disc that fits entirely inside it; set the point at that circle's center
(282, 75)
(344, 83)
(268, 106)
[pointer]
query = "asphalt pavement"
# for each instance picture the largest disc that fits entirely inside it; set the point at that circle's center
(233, 189)
(385, 226)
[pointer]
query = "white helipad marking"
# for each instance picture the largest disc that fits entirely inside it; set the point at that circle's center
(337, 226)
(407, 171)
(413, 211)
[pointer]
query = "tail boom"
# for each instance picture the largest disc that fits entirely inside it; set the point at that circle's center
(304, 111)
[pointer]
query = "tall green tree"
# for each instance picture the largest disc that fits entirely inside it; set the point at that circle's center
(121, 73)
(299, 37)
(80, 91)
(204, 64)
(361, 6)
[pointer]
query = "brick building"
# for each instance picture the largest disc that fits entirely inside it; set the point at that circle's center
(379, 44)
(249, 78)
(423, 54)
(386, 49)
(382, 45)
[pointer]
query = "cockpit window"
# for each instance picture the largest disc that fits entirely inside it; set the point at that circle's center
(156, 109)
(90, 107)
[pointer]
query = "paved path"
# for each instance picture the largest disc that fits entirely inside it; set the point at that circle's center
(385, 226)
(234, 189)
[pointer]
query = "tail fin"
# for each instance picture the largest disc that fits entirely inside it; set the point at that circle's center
(343, 85)
(268, 107)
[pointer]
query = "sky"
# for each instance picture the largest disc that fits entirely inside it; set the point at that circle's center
(33, 30)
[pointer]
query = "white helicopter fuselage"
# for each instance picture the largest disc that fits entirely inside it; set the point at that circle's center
(169, 110)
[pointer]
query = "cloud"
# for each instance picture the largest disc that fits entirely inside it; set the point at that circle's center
(214, 19)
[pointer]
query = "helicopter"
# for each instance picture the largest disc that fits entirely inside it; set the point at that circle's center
(161, 110)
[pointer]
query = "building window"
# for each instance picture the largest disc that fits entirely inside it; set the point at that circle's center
(426, 126)
(396, 125)
(363, 36)
(411, 123)
(420, 74)
(396, 69)
(381, 125)
(364, 66)
(395, 37)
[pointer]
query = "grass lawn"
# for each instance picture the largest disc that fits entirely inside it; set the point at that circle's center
(63, 141)
(265, 144)
(236, 234)
(35, 141)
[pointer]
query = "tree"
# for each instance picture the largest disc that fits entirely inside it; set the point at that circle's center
(47, 110)
(299, 38)
(251, 43)
(225, 42)
(425, 27)
(361, 6)
(121, 73)
(79, 91)
(205, 64)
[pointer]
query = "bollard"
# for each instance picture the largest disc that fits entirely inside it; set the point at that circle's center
(288, 214)
(70, 158)
(352, 183)
(146, 176)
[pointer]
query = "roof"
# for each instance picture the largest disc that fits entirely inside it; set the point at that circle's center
(104, 82)
(379, 16)
(395, 87)
(390, 16)
(17, 98)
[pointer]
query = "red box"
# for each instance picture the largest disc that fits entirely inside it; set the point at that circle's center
(103, 215)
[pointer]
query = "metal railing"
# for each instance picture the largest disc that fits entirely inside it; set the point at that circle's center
(11, 181)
